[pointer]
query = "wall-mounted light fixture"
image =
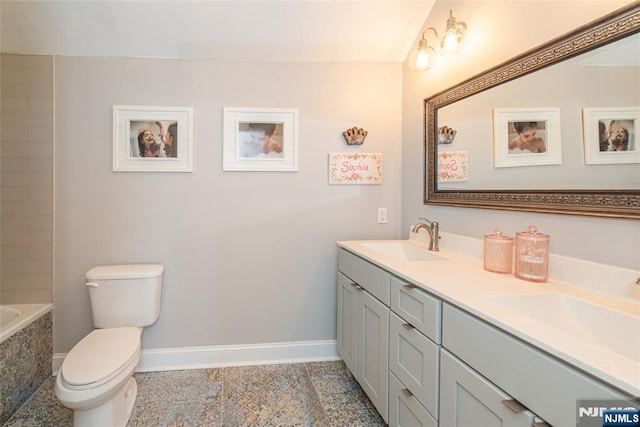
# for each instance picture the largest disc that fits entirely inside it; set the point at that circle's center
(453, 35)
(423, 56)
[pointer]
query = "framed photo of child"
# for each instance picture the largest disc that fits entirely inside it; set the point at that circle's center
(611, 135)
(260, 139)
(526, 137)
(152, 139)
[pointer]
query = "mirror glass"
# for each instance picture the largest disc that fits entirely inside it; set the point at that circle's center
(561, 135)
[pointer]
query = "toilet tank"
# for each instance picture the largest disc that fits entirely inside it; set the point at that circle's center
(125, 295)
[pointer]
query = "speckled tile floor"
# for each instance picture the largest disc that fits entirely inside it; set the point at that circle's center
(305, 394)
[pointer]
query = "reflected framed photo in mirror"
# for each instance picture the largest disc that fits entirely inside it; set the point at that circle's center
(610, 135)
(526, 137)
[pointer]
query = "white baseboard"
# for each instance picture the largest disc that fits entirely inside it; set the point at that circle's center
(171, 359)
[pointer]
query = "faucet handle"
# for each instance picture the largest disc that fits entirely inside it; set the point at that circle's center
(427, 220)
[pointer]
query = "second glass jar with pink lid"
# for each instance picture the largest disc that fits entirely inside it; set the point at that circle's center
(532, 255)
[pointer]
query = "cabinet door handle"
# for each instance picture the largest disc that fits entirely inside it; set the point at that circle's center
(540, 423)
(407, 392)
(408, 287)
(408, 326)
(514, 405)
(358, 287)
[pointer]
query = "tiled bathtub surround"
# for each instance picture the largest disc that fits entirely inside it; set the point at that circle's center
(306, 394)
(26, 173)
(25, 363)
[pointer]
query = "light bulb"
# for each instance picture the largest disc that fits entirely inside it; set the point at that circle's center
(453, 36)
(422, 58)
(450, 41)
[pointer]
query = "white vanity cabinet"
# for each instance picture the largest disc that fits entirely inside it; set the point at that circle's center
(394, 354)
(442, 361)
(414, 355)
(363, 325)
(347, 342)
(538, 381)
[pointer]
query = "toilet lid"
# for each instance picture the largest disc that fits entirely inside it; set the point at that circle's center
(100, 355)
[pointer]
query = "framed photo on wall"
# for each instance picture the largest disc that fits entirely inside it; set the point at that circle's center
(526, 137)
(611, 135)
(152, 139)
(260, 139)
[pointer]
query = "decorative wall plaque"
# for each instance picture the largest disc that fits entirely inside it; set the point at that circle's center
(355, 136)
(355, 168)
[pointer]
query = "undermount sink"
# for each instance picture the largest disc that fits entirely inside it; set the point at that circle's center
(402, 251)
(590, 323)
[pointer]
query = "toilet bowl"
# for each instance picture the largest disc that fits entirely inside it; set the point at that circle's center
(96, 380)
(96, 377)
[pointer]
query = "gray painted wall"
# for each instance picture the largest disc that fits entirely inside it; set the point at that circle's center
(499, 30)
(250, 257)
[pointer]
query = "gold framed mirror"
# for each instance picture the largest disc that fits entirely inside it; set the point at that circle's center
(611, 199)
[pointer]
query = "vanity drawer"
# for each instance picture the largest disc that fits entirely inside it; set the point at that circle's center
(468, 399)
(415, 360)
(542, 383)
(374, 279)
(417, 307)
(404, 408)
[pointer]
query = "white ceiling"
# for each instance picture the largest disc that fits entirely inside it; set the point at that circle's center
(264, 30)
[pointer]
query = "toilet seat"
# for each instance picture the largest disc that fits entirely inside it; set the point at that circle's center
(100, 356)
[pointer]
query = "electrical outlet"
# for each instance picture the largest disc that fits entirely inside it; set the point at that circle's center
(382, 215)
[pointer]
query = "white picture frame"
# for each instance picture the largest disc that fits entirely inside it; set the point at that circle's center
(260, 139)
(543, 149)
(171, 146)
(610, 147)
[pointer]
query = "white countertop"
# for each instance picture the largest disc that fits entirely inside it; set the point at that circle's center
(461, 280)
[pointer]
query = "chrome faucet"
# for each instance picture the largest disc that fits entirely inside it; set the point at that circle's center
(433, 228)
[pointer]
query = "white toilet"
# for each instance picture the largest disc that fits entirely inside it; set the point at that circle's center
(96, 378)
